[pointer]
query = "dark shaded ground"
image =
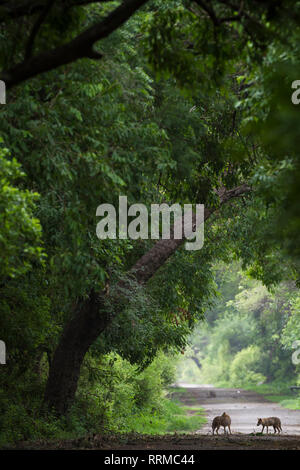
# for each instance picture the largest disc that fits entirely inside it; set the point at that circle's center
(173, 442)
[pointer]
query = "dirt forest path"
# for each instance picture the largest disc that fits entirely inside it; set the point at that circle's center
(243, 406)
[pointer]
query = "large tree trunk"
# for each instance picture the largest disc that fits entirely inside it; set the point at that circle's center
(94, 314)
(88, 321)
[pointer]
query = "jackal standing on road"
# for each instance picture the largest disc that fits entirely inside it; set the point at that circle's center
(223, 420)
(266, 422)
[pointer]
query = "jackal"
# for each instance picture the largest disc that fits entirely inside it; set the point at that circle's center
(266, 422)
(223, 420)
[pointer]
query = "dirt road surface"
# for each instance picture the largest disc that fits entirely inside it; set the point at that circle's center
(243, 406)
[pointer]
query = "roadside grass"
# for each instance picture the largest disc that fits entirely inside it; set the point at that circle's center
(291, 403)
(177, 391)
(172, 417)
(278, 393)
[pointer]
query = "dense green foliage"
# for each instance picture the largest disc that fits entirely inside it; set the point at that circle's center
(247, 339)
(20, 231)
(112, 397)
(178, 107)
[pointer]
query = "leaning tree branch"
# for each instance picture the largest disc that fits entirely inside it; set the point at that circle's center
(80, 47)
(94, 314)
(148, 264)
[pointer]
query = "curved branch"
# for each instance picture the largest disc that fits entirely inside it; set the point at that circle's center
(81, 46)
